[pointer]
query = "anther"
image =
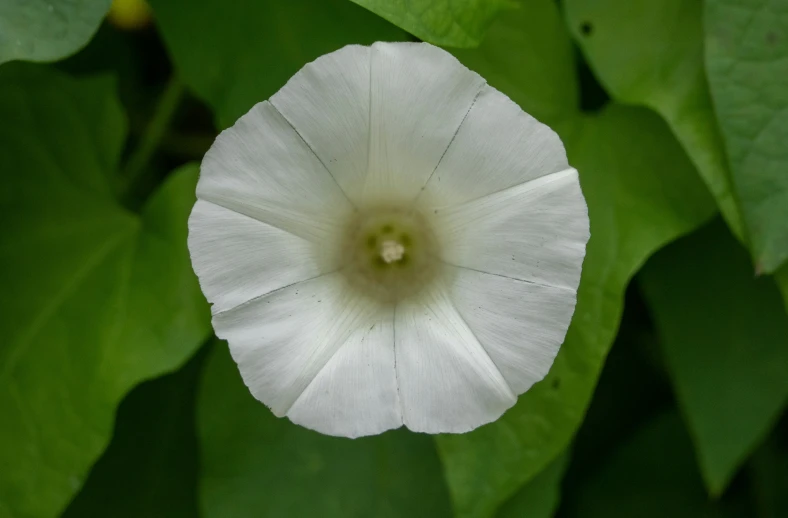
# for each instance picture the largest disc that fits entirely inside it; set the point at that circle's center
(391, 251)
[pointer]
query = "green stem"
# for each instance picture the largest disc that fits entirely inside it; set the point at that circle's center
(136, 171)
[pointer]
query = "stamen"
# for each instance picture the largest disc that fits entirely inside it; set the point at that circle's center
(391, 251)
(388, 253)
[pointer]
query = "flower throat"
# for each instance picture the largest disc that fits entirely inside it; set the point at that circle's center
(389, 254)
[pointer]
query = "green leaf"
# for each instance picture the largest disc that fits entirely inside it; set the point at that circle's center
(781, 278)
(541, 496)
(650, 53)
(747, 62)
(651, 476)
(96, 298)
(236, 54)
(725, 341)
(47, 30)
(150, 468)
(453, 23)
(640, 196)
(661, 66)
(632, 389)
(768, 471)
(256, 465)
(528, 55)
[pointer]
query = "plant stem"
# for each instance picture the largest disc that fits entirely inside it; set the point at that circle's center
(136, 171)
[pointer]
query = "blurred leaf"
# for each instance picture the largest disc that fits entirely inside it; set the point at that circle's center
(633, 388)
(747, 61)
(781, 278)
(640, 196)
(540, 497)
(769, 474)
(650, 52)
(256, 465)
(115, 53)
(725, 341)
(661, 66)
(150, 468)
(527, 54)
(453, 23)
(236, 54)
(96, 298)
(651, 476)
(47, 30)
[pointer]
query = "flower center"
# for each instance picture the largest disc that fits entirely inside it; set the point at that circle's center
(389, 254)
(392, 251)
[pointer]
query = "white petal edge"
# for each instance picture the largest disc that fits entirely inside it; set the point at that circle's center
(327, 102)
(521, 325)
(447, 381)
(535, 231)
(355, 394)
(497, 146)
(283, 342)
(262, 168)
(237, 258)
(419, 96)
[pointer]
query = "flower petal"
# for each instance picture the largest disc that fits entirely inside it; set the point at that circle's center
(521, 325)
(327, 102)
(356, 393)
(283, 341)
(419, 96)
(497, 146)
(447, 381)
(262, 168)
(238, 258)
(534, 231)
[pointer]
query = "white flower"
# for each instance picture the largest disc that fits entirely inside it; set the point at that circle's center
(389, 240)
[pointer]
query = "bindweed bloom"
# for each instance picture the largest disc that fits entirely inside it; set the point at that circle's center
(389, 240)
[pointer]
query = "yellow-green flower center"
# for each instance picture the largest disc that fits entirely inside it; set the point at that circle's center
(389, 254)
